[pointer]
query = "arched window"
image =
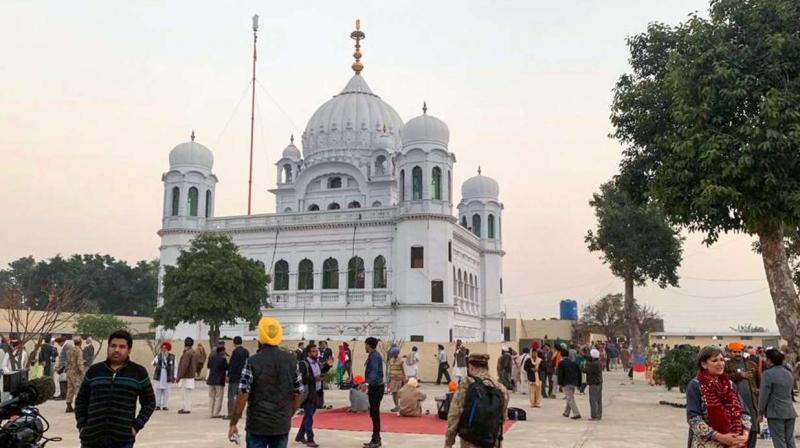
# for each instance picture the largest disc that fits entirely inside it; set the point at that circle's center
(354, 204)
(208, 203)
(460, 285)
(455, 282)
(176, 200)
(281, 282)
(436, 183)
(305, 275)
(379, 273)
(468, 281)
(471, 287)
(416, 183)
(333, 206)
(449, 186)
(313, 208)
(193, 201)
(287, 210)
(402, 185)
(330, 274)
(476, 225)
(376, 204)
(380, 165)
(355, 273)
(287, 173)
(450, 251)
(334, 182)
(490, 226)
(464, 222)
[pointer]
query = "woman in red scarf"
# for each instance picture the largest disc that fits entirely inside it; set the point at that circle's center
(713, 407)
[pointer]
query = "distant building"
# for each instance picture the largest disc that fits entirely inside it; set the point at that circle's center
(364, 240)
(704, 338)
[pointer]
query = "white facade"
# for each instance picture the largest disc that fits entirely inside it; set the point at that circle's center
(364, 225)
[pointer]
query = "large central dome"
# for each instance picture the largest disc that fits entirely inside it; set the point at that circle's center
(353, 119)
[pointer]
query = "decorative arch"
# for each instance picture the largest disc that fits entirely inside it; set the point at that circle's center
(176, 201)
(460, 285)
(402, 185)
(313, 208)
(376, 204)
(334, 206)
(287, 173)
(208, 203)
(490, 226)
(476, 225)
(379, 273)
(330, 274)
(436, 183)
(355, 273)
(281, 282)
(305, 275)
(416, 184)
(192, 201)
(354, 204)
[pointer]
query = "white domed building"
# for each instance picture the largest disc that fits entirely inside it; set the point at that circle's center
(364, 241)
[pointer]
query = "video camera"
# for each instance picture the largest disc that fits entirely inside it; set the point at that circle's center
(22, 425)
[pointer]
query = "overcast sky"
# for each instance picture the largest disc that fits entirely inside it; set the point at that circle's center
(94, 94)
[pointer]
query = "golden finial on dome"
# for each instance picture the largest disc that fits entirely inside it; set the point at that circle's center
(357, 36)
(479, 170)
(291, 139)
(192, 136)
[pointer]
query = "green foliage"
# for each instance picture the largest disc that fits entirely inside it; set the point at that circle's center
(107, 285)
(678, 367)
(635, 238)
(710, 115)
(214, 284)
(98, 326)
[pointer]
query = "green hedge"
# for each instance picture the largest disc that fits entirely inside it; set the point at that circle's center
(678, 367)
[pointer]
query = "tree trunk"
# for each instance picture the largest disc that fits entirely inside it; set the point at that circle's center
(634, 334)
(213, 337)
(781, 288)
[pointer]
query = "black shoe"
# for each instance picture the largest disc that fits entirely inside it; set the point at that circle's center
(565, 415)
(576, 417)
(69, 409)
(158, 408)
(300, 440)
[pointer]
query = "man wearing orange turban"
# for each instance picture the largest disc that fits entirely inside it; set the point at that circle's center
(746, 375)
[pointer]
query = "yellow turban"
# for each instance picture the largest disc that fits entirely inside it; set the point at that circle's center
(735, 346)
(270, 331)
(412, 382)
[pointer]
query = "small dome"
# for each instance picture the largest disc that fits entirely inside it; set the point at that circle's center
(191, 154)
(425, 129)
(480, 187)
(291, 151)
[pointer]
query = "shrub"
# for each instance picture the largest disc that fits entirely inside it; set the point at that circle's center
(677, 367)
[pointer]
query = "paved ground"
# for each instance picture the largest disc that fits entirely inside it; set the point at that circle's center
(632, 417)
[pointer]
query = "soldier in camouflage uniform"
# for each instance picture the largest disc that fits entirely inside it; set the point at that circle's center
(74, 371)
(477, 367)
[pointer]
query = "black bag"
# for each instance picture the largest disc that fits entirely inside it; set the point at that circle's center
(517, 414)
(482, 416)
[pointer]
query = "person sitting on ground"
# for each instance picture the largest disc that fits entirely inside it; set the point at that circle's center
(410, 399)
(359, 402)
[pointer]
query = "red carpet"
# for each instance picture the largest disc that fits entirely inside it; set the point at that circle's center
(342, 420)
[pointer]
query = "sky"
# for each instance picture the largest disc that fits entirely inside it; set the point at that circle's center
(94, 95)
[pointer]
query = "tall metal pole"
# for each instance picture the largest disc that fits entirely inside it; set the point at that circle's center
(252, 117)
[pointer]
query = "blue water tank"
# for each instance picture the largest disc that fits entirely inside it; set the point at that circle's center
(569, 309)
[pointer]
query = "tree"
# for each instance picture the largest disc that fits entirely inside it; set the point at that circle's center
(637, 243)
(29, 325)
(709, 116)
(678, 367)
(605, 316)
(212, 283)
(99, 327)
(748, 328)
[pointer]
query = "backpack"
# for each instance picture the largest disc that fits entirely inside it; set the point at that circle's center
(482, 416)
(517, 414)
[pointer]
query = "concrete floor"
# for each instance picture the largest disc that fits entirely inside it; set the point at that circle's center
(632, 417)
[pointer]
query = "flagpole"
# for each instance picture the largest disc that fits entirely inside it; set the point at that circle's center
(252, 117)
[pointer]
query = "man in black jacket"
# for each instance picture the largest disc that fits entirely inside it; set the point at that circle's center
(569, 378)
(594, 378)
(105, 409)
(217, 370)
(311, 371)
(238, 358)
